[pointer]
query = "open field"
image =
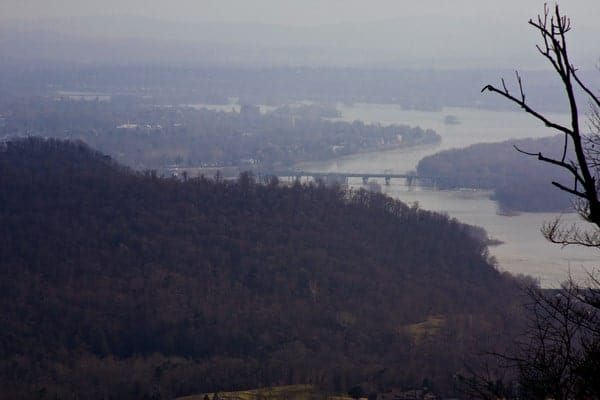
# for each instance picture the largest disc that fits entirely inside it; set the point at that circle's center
(292, 392)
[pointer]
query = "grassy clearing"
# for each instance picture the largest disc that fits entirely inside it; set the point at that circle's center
(430, 327)
(292, 392)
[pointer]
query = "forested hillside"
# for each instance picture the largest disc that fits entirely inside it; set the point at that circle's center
(519, 182)
(114, 282)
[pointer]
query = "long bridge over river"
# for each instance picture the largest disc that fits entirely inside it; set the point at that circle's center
(342, 177)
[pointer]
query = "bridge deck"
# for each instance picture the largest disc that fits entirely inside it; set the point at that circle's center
(343, 175)
(388, 176)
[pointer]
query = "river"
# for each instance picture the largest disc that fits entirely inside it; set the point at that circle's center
(524, 249)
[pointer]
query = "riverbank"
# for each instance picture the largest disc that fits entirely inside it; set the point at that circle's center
(524, 250)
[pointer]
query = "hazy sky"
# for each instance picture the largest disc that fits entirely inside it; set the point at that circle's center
(498, 34)
(298, 12)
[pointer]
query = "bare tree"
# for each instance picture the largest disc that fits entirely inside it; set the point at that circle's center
(580, 153)
(558, 356)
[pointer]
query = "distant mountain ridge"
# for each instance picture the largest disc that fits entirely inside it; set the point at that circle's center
(406, 42)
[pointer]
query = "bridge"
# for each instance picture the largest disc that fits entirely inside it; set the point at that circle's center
(342, 177)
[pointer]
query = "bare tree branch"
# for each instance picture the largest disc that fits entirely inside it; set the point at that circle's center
(528, 109)
(569, 167)
(558, 356)
(553, 28)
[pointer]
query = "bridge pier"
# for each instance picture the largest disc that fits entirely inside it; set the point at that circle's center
(365, 180)
(388, 179)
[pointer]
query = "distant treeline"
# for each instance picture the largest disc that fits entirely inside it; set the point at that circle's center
(146, 136)
(121, 284)
(420, 89)
(519, 182)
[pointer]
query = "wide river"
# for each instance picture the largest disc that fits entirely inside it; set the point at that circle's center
(524, 249)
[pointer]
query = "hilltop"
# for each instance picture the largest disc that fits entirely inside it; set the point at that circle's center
(125, 284)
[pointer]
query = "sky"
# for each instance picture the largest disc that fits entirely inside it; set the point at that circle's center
(444, 33)
(292, 12)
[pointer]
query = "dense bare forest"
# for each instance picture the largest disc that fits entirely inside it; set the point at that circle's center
(124, 284)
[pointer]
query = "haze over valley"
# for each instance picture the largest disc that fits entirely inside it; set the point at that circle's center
(277, 200)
